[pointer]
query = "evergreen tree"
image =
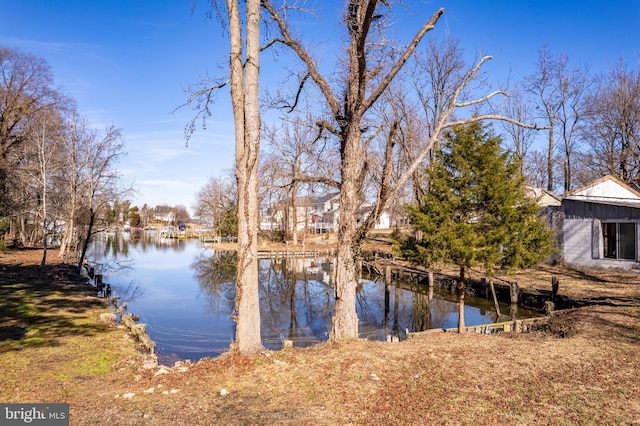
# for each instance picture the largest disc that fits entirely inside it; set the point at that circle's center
(476, 211)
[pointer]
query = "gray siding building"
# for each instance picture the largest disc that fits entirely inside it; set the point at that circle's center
(600, 225)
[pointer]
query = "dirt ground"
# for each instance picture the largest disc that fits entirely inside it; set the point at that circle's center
(56, 345)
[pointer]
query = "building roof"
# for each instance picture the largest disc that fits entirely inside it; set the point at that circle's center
(543, 197)
(326, 197)
(606, 190)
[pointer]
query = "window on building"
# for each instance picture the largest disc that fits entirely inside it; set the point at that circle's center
(619, 240)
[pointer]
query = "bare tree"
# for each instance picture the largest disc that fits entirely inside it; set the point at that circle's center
(244, 71)
(296, 162)
(26, 89)
(370, 69)
(436, 73)
(543, 85)
(100, 180)
(576, 87)
(44, 141)
(217, 204)
(244, 61)
(408, 116)
(34, 162)
(613, 130)
(522, 138)
(348, 115)
(535, 169)
(76, 134)
(561, 93)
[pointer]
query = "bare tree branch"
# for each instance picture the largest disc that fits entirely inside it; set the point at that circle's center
(428, 26)
(300, 87)
(385, 184)
(288, 40)
(324, 124)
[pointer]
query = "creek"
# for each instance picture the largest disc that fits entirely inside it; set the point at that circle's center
(184, 292)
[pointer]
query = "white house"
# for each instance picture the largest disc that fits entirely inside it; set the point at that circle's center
(162, 216)
(323, 213)
(315, 214)
(600, 225)
(383, 222)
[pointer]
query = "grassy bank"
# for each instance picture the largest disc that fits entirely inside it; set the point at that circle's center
(50, 332)
(579, 369)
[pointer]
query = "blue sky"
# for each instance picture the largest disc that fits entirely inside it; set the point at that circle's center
(126, 63)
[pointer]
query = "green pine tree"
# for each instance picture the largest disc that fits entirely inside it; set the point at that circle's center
(476, 211)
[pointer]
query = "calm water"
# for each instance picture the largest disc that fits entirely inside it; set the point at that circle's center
(184, 292)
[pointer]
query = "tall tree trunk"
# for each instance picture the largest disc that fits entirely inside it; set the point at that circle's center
(67, 240)
(567, 172)
(45, 234)
(461, 288)
(246, 114)
(44, 250)
(23, 228)
(550, 157)
(69, 227)
(294, 221)
(345, 319)
(45, 224)
(85, 243)
(4, 201)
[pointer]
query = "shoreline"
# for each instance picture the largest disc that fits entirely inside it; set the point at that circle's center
(96, 368)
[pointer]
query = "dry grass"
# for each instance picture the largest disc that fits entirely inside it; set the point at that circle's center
(579, 369)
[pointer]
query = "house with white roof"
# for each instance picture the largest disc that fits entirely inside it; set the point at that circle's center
(314, 214)
(600, 225)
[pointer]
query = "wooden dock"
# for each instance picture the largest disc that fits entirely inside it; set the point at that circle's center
(279, 254)
(517, 326)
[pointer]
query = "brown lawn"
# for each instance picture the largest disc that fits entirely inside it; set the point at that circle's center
(582, 368)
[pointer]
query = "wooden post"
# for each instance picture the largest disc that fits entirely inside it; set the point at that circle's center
(98, 281)
(555, 285)
(514, 311)
(495, 298)
(431, 282)
(514, 292)
(387, 275)
(549, 306)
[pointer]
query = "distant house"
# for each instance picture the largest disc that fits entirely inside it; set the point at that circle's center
(383, 222)
(600, 225)
(543, 197)
(164, 216)
(315, 214)
(270, 219)
(323, 213)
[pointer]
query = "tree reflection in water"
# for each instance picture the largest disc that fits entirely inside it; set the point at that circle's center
(185, 294)
(109, 255)
(295, 302)
(216, 274)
